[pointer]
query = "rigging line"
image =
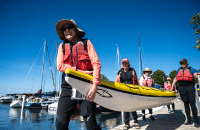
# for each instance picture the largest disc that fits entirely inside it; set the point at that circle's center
(53, 49)
(143, 57)
(50, 66)
(33, 64)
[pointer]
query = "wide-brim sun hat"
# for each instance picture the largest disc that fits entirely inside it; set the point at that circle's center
(63, 22)
(147, 70)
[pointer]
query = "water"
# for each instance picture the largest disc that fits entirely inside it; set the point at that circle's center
(41, 119)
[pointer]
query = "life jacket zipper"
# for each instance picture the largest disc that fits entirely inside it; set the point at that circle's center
(71, 54)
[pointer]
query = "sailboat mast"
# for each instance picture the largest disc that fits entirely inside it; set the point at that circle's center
(43, 62)
(117, 66)
(118, 57)
(56, 65)
(140, 65)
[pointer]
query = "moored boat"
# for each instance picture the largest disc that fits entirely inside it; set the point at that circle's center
(16, 103)
(7, 98)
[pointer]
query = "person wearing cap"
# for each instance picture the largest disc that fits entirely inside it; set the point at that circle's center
(167, 86)
(184, 76)
(128, 75)
(147, 80)
(73, 54)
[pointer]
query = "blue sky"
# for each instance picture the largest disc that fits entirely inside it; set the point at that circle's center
(165, 36)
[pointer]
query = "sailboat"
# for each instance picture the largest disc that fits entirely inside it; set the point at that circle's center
(41, 99)
(17, 102)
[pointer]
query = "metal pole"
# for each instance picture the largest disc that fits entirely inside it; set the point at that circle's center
(43, 62)
(118, 57)
(122, 114)
(59, 82)
(56, 63)
(199, 80)
(23, 103)
(140, 56)
(197, 98)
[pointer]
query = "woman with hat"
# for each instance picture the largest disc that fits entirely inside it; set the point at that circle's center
(128, 75)
(77, 54)
(147, 80)
(184, 76)
(168, 87)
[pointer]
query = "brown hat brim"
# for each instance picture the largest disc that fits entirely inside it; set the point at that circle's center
(147, 71)
(63, 22)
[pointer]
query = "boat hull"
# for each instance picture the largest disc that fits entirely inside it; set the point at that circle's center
(53, 106)
(33, 105)
(17, 104)
(6, 100)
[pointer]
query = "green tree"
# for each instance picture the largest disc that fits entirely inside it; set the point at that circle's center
(195, 22)
(103, 77)
(196, 79)
(158, 77)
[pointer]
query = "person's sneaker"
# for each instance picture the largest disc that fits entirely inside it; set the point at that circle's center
(152, 118)
(143, 117)
(169, 111)
(188, 123)
(172, 111)
(196, 125)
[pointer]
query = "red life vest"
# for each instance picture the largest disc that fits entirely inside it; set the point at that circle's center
(184, 75)
(79, 52)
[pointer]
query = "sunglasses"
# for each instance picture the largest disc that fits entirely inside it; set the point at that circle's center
(68, 27)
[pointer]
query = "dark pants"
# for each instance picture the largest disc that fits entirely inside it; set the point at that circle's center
(188, 97)
(173, 106)
(127, 117)
(66, 107)
(150, 111)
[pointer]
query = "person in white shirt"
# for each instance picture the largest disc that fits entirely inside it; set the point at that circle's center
(147, 80)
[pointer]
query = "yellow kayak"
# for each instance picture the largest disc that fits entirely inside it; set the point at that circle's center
(119, 96)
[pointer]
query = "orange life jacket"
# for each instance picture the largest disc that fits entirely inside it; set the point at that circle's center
(77, 55)
(184, 75)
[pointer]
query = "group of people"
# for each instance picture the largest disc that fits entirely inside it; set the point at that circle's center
(79, 54)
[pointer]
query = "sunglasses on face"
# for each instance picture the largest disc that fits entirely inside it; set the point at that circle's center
(67, 27)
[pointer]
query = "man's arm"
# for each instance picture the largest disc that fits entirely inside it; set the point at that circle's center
(196, 74)
(174, 82)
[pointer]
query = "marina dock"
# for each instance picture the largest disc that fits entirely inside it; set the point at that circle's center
(164, 120)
